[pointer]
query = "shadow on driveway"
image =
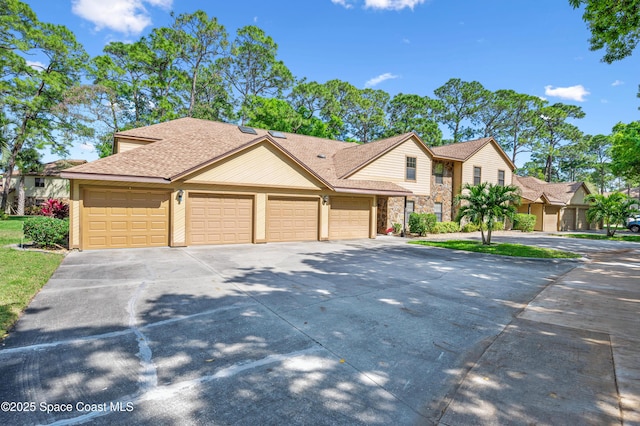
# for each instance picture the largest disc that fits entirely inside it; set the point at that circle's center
(363, 332)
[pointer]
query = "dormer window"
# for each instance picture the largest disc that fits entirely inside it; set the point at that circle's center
(410, 173)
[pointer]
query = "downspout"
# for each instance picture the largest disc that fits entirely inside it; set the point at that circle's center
(404, 217)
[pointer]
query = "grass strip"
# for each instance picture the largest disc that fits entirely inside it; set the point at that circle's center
(22, 274)
(620, 237)
(502, 249)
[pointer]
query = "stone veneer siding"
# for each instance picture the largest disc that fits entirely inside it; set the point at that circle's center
(391, 209)
(443, 192)
(395, 210)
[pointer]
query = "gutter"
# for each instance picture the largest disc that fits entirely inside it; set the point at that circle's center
(119, 178)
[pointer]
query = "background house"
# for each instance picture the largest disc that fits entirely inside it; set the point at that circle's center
(190, 181)
(42, 185)
(557, 206)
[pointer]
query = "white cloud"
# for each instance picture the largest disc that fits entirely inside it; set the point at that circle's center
(124, 16)
(381, 4)
(572, 93)
(406, 41)
(604, 101)
(379, 79)
(617, 83)
(392, 4)
(87, 147)
(36, 65)
(343, 3)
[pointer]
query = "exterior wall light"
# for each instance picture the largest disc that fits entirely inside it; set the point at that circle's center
(180, 195)
(325, 199)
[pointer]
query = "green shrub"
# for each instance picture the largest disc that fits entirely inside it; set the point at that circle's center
(417, 224)
(422, 223)
(397, 227)
(524, 222)
(446, 227)
(470, 227)
(4, 216)
(498, 226)
(47, 231)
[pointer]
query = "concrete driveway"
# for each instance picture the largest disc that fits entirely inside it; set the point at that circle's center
(370, 332)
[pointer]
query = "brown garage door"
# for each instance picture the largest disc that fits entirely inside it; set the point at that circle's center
(114, 218)
(292, 219)
(582, 224)
(568, 221)
(220, 219)
(349, 217)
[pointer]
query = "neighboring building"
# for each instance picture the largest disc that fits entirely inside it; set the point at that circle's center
(557, 206)
(190, 181)
(42, 185)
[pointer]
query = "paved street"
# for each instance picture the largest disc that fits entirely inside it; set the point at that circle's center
(358, 332)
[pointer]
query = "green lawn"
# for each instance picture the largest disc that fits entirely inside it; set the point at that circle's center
(22, 273)
(616, 237)
(503, 249)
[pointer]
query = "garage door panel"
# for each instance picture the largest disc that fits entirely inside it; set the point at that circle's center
(292, 219)
(124, 218)
(220, 219)
(349, 217)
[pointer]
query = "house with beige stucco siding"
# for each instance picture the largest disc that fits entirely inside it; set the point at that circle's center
(188, 182)
(558, 206)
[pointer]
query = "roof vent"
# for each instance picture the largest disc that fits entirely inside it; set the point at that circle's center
(322, 156)
(248, 130)
(277, 134)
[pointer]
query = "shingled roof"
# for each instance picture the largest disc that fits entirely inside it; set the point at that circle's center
(462, 151)
(186, 145)
(556, 193)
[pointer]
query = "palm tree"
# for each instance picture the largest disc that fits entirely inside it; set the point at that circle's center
(612, 209)
(486, 203)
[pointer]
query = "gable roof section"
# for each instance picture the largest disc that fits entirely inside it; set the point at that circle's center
(187, 145)
(557, 193)
(462, 151)
(350, 160)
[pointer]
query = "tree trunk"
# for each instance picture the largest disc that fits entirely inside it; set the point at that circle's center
(20, 190)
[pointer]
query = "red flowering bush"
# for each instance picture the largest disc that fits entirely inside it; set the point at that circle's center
(55, 208)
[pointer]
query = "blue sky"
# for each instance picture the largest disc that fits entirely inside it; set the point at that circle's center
(400, 46)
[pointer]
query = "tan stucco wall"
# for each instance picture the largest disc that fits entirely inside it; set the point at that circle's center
(178, 224)
(391, 167)
(262, 165)
(74, 215)
(578, 197)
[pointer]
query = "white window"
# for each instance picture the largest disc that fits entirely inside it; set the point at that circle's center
(437, 209)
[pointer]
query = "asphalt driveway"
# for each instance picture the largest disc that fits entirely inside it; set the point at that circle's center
(370, 332)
